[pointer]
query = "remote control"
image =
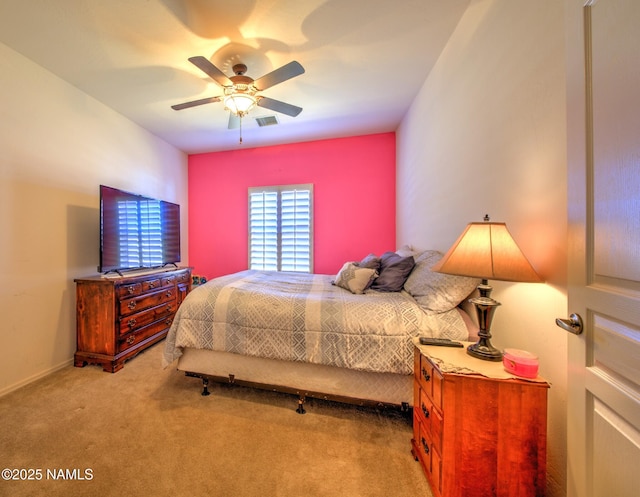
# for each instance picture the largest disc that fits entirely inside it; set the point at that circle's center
(443, 342)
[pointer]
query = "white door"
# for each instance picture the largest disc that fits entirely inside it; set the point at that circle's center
(603, 81)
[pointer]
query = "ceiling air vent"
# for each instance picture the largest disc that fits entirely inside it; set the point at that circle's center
(266, 121)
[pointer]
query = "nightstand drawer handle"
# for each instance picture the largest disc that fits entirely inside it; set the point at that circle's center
(169, 293)
(425, 446)
(131, 323)
(132, 305)
(425, 375)
(131, 339)
(152, 284)
(425, 411)
(131, 289)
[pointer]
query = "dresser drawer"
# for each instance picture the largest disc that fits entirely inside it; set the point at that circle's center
(138, 320)
(183, 277)
(168, 280)
(129, 290)
(142, 334)
(137, 304)
(136, 288)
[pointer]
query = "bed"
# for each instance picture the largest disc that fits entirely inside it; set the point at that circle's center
(345, 337)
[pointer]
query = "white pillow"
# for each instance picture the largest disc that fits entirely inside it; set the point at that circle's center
(355, 279)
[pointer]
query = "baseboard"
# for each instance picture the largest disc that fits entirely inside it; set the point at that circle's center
(35, 377)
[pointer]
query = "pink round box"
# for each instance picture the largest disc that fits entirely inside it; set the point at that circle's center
(520, 363)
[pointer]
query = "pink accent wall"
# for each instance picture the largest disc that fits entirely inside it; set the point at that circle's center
(354, 182)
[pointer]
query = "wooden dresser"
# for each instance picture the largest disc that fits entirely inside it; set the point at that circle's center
(116, 318)
(477, 435)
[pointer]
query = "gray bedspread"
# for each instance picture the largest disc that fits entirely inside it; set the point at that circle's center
(303, 317)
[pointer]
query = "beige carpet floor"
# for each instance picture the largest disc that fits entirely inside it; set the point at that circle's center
(147, 431)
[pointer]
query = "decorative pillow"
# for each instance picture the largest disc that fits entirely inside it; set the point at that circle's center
(394, 270)
(371, 261)
(407, 250)
(437, 292)
(354, 278)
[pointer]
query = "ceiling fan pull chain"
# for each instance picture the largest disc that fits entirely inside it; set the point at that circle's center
(240, 130)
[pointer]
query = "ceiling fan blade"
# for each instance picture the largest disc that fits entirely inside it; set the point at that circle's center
(194, 103)
(234, 121)
(212, 71)
(278, 106)
(288, 71)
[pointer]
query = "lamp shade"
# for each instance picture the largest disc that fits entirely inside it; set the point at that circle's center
(488, 251)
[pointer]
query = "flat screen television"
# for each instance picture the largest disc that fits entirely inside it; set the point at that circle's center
(137, 232)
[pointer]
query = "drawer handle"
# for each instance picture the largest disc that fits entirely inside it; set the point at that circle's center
(132, 304)
(425, 446)
(131, 339)
(152, 284)
(131, 323)
(169, 293)
(131, 289)
(168, 322)
(425, 411)
(425, 375)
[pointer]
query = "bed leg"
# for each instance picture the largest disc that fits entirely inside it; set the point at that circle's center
(407, 411)
(300, 409)
(205, 389)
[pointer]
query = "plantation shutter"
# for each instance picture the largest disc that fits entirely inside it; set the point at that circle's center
(263, 230)
(295, 229)
(280, 228)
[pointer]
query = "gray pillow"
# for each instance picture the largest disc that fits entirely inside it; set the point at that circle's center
(371, 261)
(437, 292)
(394, 270)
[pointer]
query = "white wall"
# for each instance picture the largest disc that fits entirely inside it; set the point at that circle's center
(486, 134)
(57, 146)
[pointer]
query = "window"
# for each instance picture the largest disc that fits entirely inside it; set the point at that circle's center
(280, 228)
(140, 226)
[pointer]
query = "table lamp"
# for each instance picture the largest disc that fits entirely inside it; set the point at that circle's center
(487, 251)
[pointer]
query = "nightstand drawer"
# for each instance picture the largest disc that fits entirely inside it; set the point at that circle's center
(431, 418)
(430, 381)
(424, 447)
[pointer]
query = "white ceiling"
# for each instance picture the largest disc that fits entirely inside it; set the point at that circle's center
(365, 60)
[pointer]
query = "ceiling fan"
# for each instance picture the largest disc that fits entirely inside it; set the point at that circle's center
(240, 92)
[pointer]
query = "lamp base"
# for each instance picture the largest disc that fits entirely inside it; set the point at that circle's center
(485, 307)
(484, 350)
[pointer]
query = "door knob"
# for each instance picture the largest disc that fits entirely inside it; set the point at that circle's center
(572, 325)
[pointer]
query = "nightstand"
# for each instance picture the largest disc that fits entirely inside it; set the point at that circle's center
(477, 430)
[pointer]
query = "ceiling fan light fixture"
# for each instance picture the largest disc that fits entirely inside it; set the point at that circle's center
(239, 103)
